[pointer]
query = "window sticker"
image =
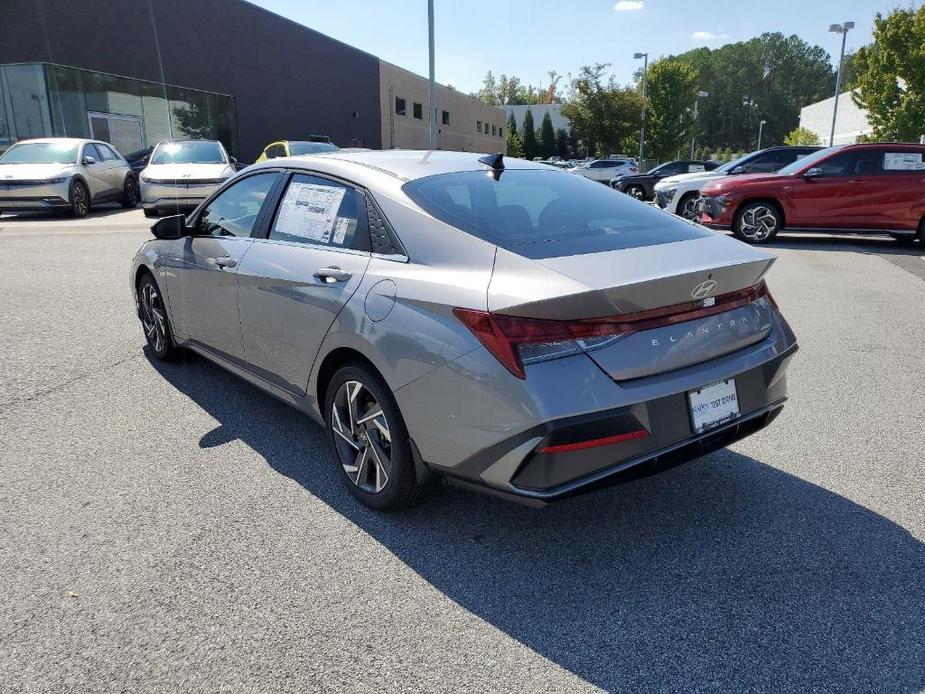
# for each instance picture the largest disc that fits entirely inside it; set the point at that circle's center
(902, 161)
(309, 211)
(696, 168)
(340, 230)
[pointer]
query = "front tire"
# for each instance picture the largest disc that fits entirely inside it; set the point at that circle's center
(130, 193)
(369, 440)
(80, 199)
(757, 222)
(154, 320)
(687, 206)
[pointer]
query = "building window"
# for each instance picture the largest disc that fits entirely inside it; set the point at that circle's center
(399, 106)
(446, 117)
(500, 132)
(494, 130)
(418, 111)
(486, 128)
(478, 127)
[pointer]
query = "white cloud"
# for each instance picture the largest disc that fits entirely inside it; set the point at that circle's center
(630, 5)
(708, 36)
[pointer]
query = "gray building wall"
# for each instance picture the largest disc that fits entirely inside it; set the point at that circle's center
(287, 81)
(539, 111)
(473, 126)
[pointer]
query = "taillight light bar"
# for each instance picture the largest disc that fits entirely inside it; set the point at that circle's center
(505, 336)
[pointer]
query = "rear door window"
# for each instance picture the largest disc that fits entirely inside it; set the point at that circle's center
(899, 162)
(321, 212)
(545, 213)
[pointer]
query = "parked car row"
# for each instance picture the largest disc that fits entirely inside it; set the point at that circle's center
(603, 170)
(642, 185)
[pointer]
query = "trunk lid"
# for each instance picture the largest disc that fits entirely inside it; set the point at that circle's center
(631, 281)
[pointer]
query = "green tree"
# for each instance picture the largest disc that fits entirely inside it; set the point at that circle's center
(562, 144)
(891, 76)
(531, 147)
(602, 113)
(801, 136)
(547, 137)
(489, 91)
(769, 77)
(672, 88)
(515, 145)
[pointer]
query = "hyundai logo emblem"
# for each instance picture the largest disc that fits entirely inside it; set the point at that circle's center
(704, 289)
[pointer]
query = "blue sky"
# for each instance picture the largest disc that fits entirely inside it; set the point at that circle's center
(529, 38)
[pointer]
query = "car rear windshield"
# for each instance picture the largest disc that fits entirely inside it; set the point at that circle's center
(546, 214)
(188, 153)
(41, 153)
(297, 148)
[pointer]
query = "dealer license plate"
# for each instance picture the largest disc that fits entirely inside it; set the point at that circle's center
(714, 404)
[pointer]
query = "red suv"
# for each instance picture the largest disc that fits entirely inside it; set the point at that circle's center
(877, 188)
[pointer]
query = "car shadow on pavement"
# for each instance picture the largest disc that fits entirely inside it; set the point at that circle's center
(724, 574)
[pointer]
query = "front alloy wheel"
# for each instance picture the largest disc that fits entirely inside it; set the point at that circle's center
(757, 223)
(635, 192)
(154, 320)
(688, 207)
(80, 199)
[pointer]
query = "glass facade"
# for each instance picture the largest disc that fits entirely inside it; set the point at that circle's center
(42, 100)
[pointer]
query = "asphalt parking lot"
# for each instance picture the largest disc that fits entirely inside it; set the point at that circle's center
(169, 528)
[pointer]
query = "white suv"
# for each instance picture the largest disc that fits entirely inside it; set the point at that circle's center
(59, 173)
(604, 169)
(182, 173)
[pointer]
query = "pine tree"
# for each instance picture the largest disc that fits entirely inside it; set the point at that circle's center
(547, 137)
(530, 144)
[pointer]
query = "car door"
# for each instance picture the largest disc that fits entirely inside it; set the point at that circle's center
(828, 200)
(295, 281)
(895, 187)
(203, 272)
(113, 171)
(95, 172)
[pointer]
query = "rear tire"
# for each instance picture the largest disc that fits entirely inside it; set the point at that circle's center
(757, 222)
(130, 193)
(154, 319)
(687, 206)
(80, 199)
(921, 233)
(905, 239)
(372, 452)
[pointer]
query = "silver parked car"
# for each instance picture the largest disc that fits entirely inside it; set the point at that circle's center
(510, 327)
(181, 174)
(59, 173)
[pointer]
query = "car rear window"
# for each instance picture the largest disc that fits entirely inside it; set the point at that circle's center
(546, 214)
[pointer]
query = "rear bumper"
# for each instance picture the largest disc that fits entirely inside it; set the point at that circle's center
(513, 438)
(523, 468)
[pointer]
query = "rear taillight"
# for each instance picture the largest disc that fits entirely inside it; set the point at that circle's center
(517, 342)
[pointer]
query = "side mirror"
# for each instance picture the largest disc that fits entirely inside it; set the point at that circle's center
(738, 170)
(170, 228)
(814, 172)
(87, 160)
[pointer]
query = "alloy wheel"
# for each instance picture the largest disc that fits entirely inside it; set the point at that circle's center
(635, 192)
(131, 193)
(154, 318)
(362, 437)
(758, 223)
(81, 200)
(689, 207)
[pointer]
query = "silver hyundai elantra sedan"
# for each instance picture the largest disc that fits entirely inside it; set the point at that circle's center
(495, 322)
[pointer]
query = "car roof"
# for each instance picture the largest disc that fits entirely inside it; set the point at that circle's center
(403, 164)
(62, 140)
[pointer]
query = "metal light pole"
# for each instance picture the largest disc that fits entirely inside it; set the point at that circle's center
(432, 86)
(699, 96)
(842, 29)
(760, 128)
(645, 88)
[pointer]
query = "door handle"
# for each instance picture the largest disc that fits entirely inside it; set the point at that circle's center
(223, 262)
(330, 275)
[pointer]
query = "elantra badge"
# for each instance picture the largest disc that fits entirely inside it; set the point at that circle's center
(704, 289)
